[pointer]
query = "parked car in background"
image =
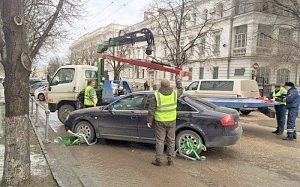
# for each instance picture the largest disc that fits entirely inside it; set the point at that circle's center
(126, 119)
(39, 93)
(34, 80)
(37, 85)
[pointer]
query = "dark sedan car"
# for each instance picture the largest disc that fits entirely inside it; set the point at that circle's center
(126, 119)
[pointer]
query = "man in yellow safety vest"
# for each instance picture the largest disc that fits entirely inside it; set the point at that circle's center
(278, 95)
(90, 96)
(162, 109)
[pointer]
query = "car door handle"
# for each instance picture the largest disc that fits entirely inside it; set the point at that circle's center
(133, 117)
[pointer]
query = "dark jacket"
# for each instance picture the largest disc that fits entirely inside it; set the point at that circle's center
(292, 98)
(164, 91)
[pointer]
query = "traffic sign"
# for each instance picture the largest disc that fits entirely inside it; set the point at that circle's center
(255, 66)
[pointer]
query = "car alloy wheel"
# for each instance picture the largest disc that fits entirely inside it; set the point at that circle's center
(187, 135)
(87, 129)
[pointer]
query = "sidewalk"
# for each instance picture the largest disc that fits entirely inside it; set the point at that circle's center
(64, 167)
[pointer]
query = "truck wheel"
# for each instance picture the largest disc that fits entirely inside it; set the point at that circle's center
(64, 111)
(245, 112)
(87, 129)
(187, 135)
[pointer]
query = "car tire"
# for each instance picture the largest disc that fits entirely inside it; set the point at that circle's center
(245, 112)
(187, 134)
(41, 97)
(87, 129)
(64, 111)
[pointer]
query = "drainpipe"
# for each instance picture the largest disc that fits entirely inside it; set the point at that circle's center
(230, 45)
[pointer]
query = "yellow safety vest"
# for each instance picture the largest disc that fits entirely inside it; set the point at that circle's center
(279, 94)
(166, 107)
(87, 100)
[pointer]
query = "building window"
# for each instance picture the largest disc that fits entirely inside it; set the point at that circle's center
(164, 74)
(243, 6)
(201, 72)
(240, 40)
(205, 13)
(143, 71)
(202, 46)
(220, 10)
(215, 72)
(264, 39)
(194, 18)
(283, 76)
(190, 70)
(284, 38)
(263, 75)
(217, 44)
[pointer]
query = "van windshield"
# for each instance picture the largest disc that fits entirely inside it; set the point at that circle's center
(217, 85)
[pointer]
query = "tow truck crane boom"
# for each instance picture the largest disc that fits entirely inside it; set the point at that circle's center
(131, 38)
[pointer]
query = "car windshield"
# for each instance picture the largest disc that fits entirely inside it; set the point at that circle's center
(202, 102)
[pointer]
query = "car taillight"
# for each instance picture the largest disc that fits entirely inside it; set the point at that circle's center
(227, 120)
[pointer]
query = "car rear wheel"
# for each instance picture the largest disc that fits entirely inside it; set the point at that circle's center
(245, 112)
(188, 135)
(64, 111)
(87, 129)
(41, 97)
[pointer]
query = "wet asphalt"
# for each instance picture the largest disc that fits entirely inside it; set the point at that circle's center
(260, 158)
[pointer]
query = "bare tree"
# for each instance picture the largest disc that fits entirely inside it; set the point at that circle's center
(53, 65)
(23, 22)
(173, 19)
(47, 21)
(117, 67)
(17, 66)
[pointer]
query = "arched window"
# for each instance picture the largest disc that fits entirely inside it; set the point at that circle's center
(263, 74)
(283, 75)
(219, 9)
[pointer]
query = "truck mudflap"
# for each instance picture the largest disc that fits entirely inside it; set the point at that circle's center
(241, 103)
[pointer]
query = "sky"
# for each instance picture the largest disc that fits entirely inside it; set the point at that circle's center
(100, 13)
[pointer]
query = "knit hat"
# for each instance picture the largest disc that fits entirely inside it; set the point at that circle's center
(289, 84)
(165, 83)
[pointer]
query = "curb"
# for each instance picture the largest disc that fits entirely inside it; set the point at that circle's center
(65, 169)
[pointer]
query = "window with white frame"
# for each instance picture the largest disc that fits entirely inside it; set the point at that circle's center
(283, 75)
(240, 40)
(264, 39)
(263, 73)
(217, 41)
(220, 10)
(201, 72)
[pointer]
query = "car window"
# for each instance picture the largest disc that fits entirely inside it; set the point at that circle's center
(132, 102)
(63, 76)
(193, 86)
(217, 85)
(183, 107)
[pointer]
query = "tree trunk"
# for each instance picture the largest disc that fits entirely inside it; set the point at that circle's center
(16, 170)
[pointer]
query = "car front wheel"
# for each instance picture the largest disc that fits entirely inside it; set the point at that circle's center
(192, 137)
(87, 129)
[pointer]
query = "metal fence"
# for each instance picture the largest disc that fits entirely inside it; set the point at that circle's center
(34, 107)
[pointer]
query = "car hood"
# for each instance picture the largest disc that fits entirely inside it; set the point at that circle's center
(86, 110)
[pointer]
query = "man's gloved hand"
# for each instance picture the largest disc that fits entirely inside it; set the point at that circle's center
(178, 77)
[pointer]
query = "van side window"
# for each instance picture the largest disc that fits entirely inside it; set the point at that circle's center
(217, 85)
(193, 86)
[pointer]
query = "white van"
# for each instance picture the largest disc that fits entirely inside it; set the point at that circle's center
(230, 88)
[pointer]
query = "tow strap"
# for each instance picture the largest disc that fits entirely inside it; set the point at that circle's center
(190, 149)
(74, 139)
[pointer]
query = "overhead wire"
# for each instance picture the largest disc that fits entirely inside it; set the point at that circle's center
(125, 4)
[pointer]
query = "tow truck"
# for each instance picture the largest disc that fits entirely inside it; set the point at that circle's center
(66, 87)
